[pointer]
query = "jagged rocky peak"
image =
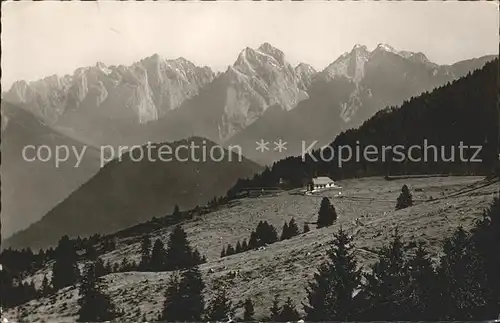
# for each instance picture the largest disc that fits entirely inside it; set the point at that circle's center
(350, 65)
(246, 59)
(258, 79)
(417, 57)
(304, 68)
(154, 60)
(389, 49)
(171, 81)
(273, 51)
(386, 47)
(150, 87)
(179, 66)
(45, 97)
(420, 57)
(18, 91)
(183, 61)
(264, 54)
(359, 47)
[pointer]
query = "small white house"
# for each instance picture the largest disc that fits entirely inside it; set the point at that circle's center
(319, 183)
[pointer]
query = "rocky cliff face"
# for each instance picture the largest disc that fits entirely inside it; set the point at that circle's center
(140, 93)
(387, 76)
(305, 73)
(259, 78)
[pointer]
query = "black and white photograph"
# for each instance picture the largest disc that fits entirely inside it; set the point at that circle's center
(250, 161)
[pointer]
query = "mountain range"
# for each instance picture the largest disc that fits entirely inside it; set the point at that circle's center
(158, 99)
(429, 131)
(103, 105)
(345, 94)
(260, 96)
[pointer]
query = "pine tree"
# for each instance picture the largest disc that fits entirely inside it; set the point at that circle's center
(249, 311)
(176, 215)
(31, 291)
(288, 312)
(145, 253)
(230, 250)
(91, 252)
(238, 247)
(253, 242)
(275, 310)
(7, 287)
(485, 241)
(45, 289)
(284, 232)
(306, 228)
(172, 310)
(100, 269)
(387, 283)
(65, 270)
(244, 245)
(327, 214)
(220, 308)
(265, 234)
(196, 257)
(184, 297)
(192, 286)
(461, 277)
(180, 255)
(405, 199)
(424, 297)
(271, 234)
(94, 305)
(293, 229)
(331, 294)
(158, 256)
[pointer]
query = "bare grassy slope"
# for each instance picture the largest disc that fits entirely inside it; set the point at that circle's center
(286, 267)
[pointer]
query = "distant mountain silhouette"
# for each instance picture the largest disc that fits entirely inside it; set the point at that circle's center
(31, 189)
(127, 192)
(158, 99)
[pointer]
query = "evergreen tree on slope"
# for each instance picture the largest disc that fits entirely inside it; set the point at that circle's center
(330, 295)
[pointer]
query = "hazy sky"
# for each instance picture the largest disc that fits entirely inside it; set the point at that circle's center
(45, 38)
